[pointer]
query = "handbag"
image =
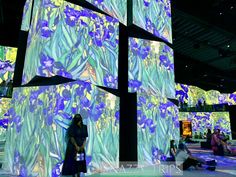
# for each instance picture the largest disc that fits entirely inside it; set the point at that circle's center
(80, 156)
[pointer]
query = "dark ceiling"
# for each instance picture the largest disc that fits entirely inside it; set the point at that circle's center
(204, 40)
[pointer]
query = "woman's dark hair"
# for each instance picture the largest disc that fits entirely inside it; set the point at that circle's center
(181, 146)
(172, 143)
(77, 118)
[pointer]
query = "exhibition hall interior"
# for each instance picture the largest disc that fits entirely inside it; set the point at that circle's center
(153, 81)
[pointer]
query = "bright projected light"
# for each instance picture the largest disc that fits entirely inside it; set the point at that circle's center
(25, 25)
(157, 124)
(35, 143)
(154, 16)
(201, 121)
(7, 62)
(115, 8)
(151, 67)
(192, 95)
(4, 106)
(73, 42)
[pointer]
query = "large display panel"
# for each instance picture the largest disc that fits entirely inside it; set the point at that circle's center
(73, 42)
(151, 67)
(115, 8)
(4, 106)
(157, 124)
(154, 16)
(192, 95)
(7, 62)
(201, 121)
(36, 144)
(26, 18)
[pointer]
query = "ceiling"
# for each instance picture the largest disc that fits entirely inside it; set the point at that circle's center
(204, 40)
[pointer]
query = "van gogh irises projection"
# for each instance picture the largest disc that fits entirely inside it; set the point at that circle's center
(157, 124)
(25, 25)
(36, 141)
(7, 62)
(115, 8)
(201, 121)
(4, 106)
(151, 67)
(192, 95)
(158, 24)
(72, 42)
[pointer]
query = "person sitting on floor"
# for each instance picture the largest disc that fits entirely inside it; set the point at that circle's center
(185, 160)
(173, 150)
(217, 143)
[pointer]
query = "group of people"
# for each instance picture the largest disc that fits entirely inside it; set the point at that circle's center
(184, 158)
(6, 88)
(219, 144)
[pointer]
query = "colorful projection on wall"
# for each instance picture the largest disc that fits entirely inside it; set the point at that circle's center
(7, 63)
(72, 42)
(25, 25)
(151, 67)
(4, 106)
(157, 124)
(201, 121)
(36, 144)
(115, 8)
(192, 95)
(154, 16)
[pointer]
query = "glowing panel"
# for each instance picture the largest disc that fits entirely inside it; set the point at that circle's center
(154, 16)
(25, 25)
(192, 95)
(157, 124)
(36, 142)
(7, 63)
(115, 8)
(4, 106)
(73, 42)
(151, 67)
(201, 121)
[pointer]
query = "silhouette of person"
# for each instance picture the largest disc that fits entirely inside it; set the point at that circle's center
(75, 161)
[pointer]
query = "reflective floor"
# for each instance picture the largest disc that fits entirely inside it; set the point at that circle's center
(226, 167)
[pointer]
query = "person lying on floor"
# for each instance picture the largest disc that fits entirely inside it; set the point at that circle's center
(185, 160)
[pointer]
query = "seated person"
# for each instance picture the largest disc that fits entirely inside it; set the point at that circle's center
(185, 160)
(173, 150)
(217, 143)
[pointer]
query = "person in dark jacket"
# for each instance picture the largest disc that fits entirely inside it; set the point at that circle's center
(75, 162)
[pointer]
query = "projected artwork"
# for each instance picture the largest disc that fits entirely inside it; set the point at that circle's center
(157, 124)
(201, 121)
(36, 144)
(115, 8)
(25, 25)
(158, 24)
(229, 98)
(4, 106)
(72, 42)
(151, 67)
(7, 63)
(192, 95)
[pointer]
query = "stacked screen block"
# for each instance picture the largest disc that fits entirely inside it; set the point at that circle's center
(7, 62)
(4, 106)
(154, 16)
(192, 95)
(36, 141)
(73, 42)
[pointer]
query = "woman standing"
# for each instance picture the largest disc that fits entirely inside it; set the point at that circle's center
(75, 162)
